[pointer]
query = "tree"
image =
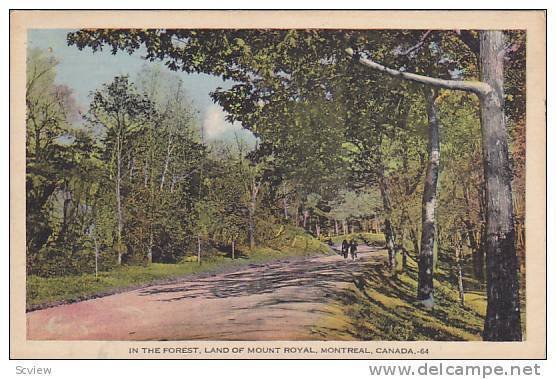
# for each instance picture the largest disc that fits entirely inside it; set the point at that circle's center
(426, 255)
(121, 111)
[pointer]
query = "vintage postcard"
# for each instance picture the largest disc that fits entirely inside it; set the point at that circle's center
(278, 184)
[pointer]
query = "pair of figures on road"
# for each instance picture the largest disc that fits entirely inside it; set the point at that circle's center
(349, 248)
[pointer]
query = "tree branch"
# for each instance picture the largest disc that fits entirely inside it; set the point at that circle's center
(418, 44)
(476, 87)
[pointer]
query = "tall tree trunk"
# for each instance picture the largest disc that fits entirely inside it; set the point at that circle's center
(251, 227)
(199, 249)
(414, 240)
(173, 183)
(255, 186)
(336, 227)
(390, 244)
(459, 272)
(119, 198)
(503, 321)
(65, 213)
(388, 229)
(96, 254)
(131, 168)
(425, 289)
(233, 249)
(169, 148)
(150, 252)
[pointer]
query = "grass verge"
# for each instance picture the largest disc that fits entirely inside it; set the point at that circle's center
(380, 307)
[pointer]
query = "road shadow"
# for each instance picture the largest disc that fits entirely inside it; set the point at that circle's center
(319, 281)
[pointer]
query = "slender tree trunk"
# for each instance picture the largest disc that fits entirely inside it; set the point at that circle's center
(415, 241)
(119, 198)
(150, 252)
(459, 273)
(336, 227)
(503, 320)
(173, 182)
(233, 249)
(252, 208)
(96, 255)
(401, 247)
(390, 244)
(388, 229)
(131, 169)
(285, 203)
(199, 249)
(425, 289)
(404, 259)
(65, 213)
(152, 185)
(251, 227)
(166, 161)
(38, 155)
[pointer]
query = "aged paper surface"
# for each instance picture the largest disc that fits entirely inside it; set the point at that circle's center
(534, 345)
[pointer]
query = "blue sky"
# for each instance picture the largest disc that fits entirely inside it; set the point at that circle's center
(85, 71)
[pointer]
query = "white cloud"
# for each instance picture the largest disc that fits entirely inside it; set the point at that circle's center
(215, 125)
(216, 128)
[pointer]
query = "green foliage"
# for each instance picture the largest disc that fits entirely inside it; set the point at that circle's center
(58, 165)
(353, 205)
(370, 239)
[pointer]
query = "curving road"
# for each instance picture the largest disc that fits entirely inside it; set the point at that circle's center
(280, 300)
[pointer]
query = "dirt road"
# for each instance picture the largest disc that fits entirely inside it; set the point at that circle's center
(282, 300)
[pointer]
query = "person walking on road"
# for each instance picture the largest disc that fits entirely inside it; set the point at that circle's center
(353, 249)
(345, 248)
